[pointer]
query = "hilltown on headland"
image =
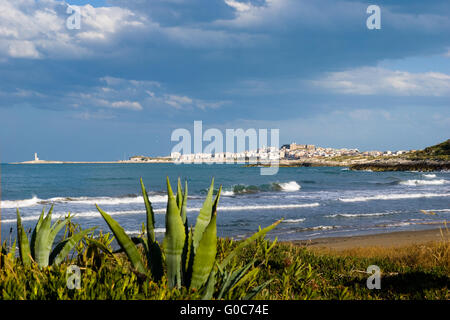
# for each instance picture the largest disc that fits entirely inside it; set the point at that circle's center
(294, 155)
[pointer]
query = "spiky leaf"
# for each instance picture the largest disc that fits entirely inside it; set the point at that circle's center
(150, 215)
(33, 235)
(24, 246)
(124, 241)
(174, 240)
(63, 248)
(203, 217)
(42, 251)
(205, 256)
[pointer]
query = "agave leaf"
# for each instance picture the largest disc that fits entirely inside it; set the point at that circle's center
(174, 240)
(210, 286)
(184, 206)
(104, 248)
(24, 246)
(203, 217)
(63, 248)
(42, 235)
(124, 241)
(150, 215)
(187, 258)
(246, 242)
(179, 195)
(154, 257)
(55, 229)
(33, 235)
(206, 255)
(156, 261)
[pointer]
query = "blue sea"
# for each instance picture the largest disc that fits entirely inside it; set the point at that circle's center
(314, 202)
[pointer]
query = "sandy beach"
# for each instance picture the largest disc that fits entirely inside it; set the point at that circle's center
(385, 240)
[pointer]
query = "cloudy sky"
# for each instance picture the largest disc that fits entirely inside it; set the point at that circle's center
(137, 70)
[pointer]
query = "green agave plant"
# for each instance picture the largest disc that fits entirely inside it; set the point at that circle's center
(189, 254)
(39, 248)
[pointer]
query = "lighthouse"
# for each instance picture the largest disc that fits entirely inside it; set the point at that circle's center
(36, 158)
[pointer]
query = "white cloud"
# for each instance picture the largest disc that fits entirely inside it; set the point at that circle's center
(239, 6)
(133, 105)
(380, 81)
(37, 29)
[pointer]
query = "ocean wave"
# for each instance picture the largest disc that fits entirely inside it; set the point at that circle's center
(429, 175)
(319, 228)
(137, 232)
(397, 196)
(416, 182)
(8, 204)
(83, 215)
(274, 186)
(96, 214)
(293, 220)
(268, 207)
(290, 186)
(12, 204)
(355, 215)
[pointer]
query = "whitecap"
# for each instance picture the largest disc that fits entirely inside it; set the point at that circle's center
(290, 186)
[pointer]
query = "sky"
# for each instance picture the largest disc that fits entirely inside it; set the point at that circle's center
(135, 71)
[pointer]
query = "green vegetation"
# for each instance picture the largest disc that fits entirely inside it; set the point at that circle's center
(439, 151)
(39, 248)
(189, 255)
(195, 264)
(414, 272)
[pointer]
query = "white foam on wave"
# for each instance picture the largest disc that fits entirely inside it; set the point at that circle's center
(12, 204)
(429, 175)
(136, 232)
(227, 193)
(397, 196)
(438, 210)
(293, 220)
(320, 228)
(416, 182)
(96, 214)
(290, 186)
(354, 215)
(268, 207)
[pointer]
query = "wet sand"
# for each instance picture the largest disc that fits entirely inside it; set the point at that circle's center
(386, 240)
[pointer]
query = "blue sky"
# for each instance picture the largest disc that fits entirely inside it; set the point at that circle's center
(136, 70)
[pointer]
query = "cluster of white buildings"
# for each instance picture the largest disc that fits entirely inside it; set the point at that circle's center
(287, 151)
(261, 154)
(298, 151)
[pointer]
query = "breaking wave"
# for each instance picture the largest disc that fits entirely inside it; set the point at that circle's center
(395, 196)
(96, 214)
(415, 182)
(8, 204)
(293, 220)
(249, 189)
(355, 215)
(11, 204)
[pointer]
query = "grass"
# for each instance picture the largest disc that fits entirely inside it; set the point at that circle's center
(297, 272)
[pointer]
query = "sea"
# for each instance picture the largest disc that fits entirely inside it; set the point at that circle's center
(313, 202)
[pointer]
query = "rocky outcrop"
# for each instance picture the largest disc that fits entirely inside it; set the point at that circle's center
(402, 165)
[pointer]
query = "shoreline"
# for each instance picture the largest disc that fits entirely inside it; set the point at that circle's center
(384, 240)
